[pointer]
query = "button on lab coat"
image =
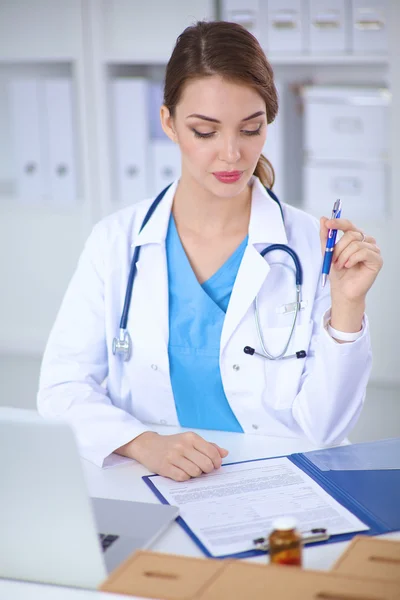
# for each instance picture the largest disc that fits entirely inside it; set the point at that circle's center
(109, 402)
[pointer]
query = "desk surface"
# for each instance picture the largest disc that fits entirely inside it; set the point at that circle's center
(124, 482)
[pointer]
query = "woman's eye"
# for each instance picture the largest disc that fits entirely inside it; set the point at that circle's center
(252, 131)
(203, 135)
(248, 132)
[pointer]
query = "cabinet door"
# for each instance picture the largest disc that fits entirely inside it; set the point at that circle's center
(40, 29)
(146, 32)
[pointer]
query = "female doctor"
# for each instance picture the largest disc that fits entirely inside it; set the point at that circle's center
(199, 278)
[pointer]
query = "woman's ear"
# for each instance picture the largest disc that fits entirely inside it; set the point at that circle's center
(167, 123)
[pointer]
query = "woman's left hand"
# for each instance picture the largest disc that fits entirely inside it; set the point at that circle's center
(356, 261)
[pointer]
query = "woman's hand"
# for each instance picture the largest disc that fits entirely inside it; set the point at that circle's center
(356, 263)
(180, 456)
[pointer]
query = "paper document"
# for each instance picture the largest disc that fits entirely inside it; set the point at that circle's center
(230, 507)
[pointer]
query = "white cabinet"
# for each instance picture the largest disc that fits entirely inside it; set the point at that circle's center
(146, 32)
(40, 29)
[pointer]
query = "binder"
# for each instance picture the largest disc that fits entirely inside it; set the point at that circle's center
(60, 130)
(166, 163)
(25, 97)
(155, 101)
(371, 494)
(131, 138)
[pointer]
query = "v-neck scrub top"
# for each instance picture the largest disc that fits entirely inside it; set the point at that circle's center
(196, 317)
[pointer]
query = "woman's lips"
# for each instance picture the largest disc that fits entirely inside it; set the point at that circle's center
(228, 176)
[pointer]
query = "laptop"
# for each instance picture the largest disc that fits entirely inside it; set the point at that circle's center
(50, 530)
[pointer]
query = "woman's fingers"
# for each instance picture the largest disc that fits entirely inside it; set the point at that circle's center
(352, 241)
(209, 450)
(175, 473)
(341, 225)
(178, 456)
(204, 463)
(342, 253)
(192, 469)
(222, 451)
(370, 259)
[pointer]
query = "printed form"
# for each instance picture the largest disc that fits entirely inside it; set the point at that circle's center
(230, 507)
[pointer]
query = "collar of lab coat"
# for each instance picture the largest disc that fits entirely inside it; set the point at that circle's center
(266, 224)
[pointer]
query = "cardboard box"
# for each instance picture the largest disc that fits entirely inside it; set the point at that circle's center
(169, 577)
(372, 558)
(164, 576)
(241, 581)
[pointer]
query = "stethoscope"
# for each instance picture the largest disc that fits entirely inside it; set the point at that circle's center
(123, 344)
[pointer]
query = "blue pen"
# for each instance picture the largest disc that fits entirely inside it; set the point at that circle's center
(330, 243)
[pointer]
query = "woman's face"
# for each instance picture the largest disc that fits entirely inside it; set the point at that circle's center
(221, 129)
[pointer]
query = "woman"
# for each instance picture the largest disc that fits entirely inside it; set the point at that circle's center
(199, 272)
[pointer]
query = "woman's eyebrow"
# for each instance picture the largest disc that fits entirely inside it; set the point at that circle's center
(212, 120)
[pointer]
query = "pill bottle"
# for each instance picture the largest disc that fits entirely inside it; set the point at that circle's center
(285, 546)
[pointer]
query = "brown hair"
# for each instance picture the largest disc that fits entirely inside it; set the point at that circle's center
(228, 50)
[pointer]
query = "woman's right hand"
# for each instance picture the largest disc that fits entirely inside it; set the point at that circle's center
(179, 456)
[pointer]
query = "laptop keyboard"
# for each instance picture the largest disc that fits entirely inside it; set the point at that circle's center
(106, 539)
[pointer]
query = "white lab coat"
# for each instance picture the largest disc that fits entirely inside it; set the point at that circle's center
(109, 402)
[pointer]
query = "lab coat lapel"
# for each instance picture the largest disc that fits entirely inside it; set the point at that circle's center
(152, 269)
(266, 227)
(251, 276)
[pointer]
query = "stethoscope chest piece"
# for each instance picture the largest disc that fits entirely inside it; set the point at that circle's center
(122, 345)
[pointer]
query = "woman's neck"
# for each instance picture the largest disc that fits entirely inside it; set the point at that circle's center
(207, 215)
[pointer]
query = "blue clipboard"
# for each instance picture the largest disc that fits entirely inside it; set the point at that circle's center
(371, 494)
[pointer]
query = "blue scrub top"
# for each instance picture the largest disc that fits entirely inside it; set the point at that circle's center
(196, 317)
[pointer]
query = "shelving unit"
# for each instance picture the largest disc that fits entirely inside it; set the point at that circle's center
(95, 41)
(40, 241)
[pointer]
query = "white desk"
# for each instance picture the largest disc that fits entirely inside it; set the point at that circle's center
(124, 482)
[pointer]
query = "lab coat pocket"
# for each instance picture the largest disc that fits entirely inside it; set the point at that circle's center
(283, 377)
(150, 398)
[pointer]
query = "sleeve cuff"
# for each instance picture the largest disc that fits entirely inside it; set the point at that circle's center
(342, 336)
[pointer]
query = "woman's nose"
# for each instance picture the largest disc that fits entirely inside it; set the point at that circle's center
(229, 151)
